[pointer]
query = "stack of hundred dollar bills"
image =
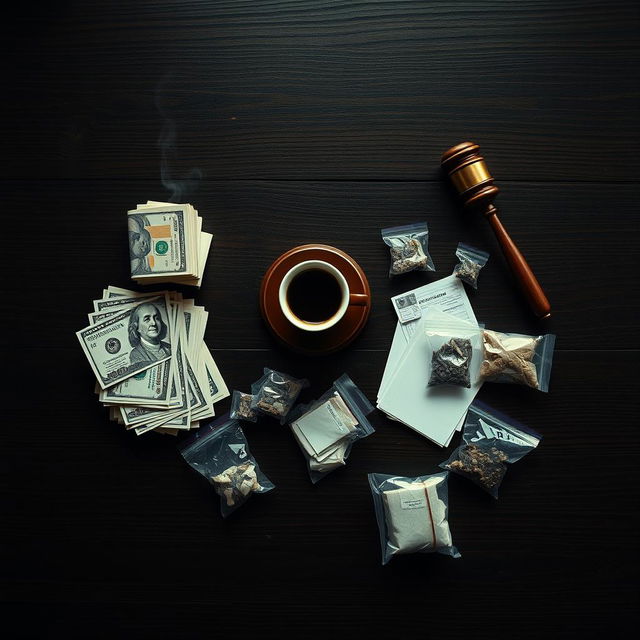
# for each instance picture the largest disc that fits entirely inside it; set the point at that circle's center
(153, 368)
(167, 243)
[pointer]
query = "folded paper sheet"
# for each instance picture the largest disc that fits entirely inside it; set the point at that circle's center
(320, 430)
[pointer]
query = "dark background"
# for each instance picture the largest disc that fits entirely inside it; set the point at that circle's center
(288, 122)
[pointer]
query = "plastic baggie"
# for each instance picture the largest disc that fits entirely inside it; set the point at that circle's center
(412, 514)
(471, 261)
(275, 393)
(409, 246)
(327, 428)
(220, 452)
(241, 407)
(455, 349)
(517, 359)
(490, 441)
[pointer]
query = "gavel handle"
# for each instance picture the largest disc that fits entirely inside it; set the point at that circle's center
(522, 271)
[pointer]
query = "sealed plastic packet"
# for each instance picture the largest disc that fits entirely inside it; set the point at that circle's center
(471, 261)
(241, 407)
(412, 514)
(409, 246)
(327, 428)
(452, 349)
(275, 394)
(220, 452)
(517, 359)
(451, 363)
(490, 441)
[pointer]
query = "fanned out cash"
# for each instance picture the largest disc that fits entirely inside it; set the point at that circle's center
(167, 243)
(153, 369)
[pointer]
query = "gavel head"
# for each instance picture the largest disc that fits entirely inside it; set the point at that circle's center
(469, 175)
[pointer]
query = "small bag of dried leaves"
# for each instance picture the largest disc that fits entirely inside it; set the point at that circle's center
(452, 343)
(220, 452)
(471, 261)
(490, 441)
(517, 359)
(275, 394)
(451, 363)
(241, 407)
(409, 246)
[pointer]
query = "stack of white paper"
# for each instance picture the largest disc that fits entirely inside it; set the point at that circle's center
(323, 433)
(435, 412)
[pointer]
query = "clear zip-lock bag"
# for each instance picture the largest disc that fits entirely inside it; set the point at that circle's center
(220, 452)
(490, 441)
(455, 351)
(241, 407)
(327, 428)
(517, 359)
(409, 248)
(471, 261)
(412, 514)
(275, 393)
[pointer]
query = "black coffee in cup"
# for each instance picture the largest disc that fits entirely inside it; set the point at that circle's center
(314, 295)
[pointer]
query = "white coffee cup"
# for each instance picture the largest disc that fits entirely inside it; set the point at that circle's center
(346, 297)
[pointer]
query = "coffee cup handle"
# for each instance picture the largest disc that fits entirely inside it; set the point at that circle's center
(358, 299)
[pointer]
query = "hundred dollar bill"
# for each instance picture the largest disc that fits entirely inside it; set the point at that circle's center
(162, 241)
(201, 403)
(217, 387)
(179, 413)
(98, 316)
(129, 342)
(174, 394)
(132, 414)
(116, 303)
(148, 239)
(181, 420)
(203, 317)
(196, 321)
(119, 292)
(122, 301)
(144, 388)
(194, 382)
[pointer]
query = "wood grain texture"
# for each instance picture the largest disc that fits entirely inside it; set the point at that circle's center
(125, 524)
(579, 249)
(293, 121)
(322, 89)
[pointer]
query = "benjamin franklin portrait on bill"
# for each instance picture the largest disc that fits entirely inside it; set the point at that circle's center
(139, 245)
(146, 333)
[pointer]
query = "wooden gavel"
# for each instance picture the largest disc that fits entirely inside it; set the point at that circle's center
(471, 178)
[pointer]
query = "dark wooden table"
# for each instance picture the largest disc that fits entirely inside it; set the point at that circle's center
(311, 121)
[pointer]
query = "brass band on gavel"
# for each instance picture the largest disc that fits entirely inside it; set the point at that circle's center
(469, 174)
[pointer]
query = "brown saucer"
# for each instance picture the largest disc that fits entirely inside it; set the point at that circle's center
(321, 342)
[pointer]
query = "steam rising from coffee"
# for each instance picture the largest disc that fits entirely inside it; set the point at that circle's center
(180, 188)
